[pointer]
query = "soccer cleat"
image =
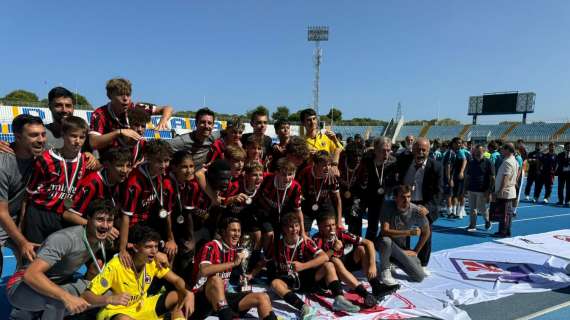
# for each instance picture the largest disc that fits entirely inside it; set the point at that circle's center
(308, 312)
(370, 301)
(386, 277)
(341, 304)
(527, 198)
(471, 229)
(383, 290)
(545, 200)
(533, 200)
(559, 203)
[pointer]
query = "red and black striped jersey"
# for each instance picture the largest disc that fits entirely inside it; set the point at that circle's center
(214, 252)
(140, 200)
(47, 188)
(347, 239)
(217, 150)
(268, 198)
(184, 193)
(200, 202)
(95, 186)
(104, 120)
(138, 153)
(305, 250)
(311, 185)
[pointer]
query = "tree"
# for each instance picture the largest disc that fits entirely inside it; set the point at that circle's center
(295, 117)
(335, 114)
(448, 122)
(258, 108)
(81, 102)
(281, 112)
(21, 96)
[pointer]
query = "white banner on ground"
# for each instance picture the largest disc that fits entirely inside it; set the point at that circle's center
(459, 276)
(489, 271)
(556, 243)
(404, 304)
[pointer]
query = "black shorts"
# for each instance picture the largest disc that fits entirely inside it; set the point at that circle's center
(252, 221)
(203, 307)
(306, 280)
(348, 261)
(458, 187)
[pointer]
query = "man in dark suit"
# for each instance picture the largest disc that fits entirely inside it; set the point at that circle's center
(425, 175)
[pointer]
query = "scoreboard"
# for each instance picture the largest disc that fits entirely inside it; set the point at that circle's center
(502, 103)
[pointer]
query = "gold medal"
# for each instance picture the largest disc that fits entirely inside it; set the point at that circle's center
(180, 219)
(163, 213)
(347, 194)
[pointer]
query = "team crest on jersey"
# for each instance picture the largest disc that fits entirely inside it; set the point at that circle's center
(491, 271)
(562, 237)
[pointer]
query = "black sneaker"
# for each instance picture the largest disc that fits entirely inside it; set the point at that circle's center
(370, 301)
(383, 290)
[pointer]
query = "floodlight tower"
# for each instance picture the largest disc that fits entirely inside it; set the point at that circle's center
(317, 34)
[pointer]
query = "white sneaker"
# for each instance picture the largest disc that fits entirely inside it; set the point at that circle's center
(545, 200)
(426, 271)
(387, 279)
(527, 198)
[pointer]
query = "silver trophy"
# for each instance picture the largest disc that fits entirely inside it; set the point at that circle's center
(247, 244)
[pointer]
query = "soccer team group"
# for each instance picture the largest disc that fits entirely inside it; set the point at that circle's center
(181, 228)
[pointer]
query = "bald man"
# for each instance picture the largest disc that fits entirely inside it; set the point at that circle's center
(425, 175)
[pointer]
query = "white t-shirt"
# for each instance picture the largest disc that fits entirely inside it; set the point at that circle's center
(508, 168)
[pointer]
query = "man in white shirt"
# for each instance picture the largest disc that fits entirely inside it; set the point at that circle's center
(505, 189)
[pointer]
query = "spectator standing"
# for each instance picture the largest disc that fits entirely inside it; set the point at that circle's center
(505, 190)
(546, 170)
(532, 169)
(480, 178)
(563, 169)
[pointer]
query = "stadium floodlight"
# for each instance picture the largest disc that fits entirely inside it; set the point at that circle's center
(317, 34)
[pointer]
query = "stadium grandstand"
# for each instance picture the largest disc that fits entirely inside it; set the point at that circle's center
(534, 132)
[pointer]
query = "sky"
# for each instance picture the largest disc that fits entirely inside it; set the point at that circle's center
(428, 55)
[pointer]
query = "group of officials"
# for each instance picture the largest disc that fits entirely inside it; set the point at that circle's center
(167, 228)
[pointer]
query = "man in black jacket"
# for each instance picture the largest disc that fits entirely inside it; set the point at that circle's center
(563, 171)
(426, 178)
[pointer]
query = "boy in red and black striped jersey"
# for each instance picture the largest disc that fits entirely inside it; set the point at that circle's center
(107, 184)
(319, 188)
(182, 171)
(204, 214)
(54, 181)
(110, 121)
(230, 136)
(254, 150)
(138, 118)
(300, 265)
(278, 193)
(148, 199)
(217, 259)
(348, 253)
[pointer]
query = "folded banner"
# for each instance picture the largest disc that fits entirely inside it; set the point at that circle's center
(489, 271)
(556, 243)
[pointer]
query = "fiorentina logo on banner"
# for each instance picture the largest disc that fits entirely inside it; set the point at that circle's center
(562, 237)
(491, 271)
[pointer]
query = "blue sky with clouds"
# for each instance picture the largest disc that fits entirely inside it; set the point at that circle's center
(429, 55)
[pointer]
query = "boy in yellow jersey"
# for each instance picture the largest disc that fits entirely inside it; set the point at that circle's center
(129, 285)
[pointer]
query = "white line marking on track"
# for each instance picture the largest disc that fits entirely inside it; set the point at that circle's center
(545, 311)
(518, 220)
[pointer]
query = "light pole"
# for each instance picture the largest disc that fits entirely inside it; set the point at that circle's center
(317, 34)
